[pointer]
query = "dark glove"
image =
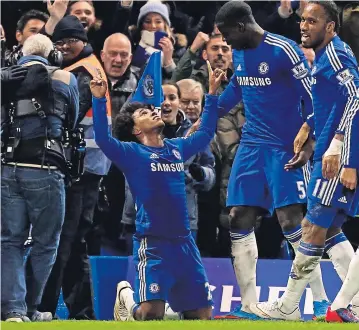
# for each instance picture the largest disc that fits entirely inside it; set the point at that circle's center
(196, 171)
(13, 73)
(193, 29)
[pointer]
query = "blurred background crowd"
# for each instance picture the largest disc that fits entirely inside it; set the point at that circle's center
(100, 211)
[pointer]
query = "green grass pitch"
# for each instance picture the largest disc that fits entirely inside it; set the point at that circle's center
(178, 325)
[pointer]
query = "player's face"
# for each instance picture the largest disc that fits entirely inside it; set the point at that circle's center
(84, 12)
(314, 26)
(147, 121)
(233, 36)
(169, 107)
(218, 53)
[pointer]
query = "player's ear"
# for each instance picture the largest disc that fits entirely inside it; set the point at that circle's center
(331, 27)
(136, 131)
(18, 36)
(204, 55)
(102, 55)
(241, 27)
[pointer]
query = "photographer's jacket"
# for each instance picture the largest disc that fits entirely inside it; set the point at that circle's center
(86, 68)
(57, 94)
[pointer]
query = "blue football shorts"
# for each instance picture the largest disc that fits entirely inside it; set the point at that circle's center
(258, 179)
(172, 271)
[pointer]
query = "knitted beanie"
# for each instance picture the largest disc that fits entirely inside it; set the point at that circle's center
(154, 7)
(69, 27)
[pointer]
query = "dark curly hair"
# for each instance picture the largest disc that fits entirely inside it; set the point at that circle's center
(233, 12)
(124, 122)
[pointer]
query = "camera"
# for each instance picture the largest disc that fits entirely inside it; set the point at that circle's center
(75, 141)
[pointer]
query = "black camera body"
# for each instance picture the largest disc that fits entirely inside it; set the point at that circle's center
(75, 143)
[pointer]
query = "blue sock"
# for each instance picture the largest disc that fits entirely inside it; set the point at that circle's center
(294, 236)
(238, 234)
(311, 250)
(330, 242)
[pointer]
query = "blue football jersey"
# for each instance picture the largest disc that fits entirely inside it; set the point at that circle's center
(156, 174)
(271, 79)
(335, 89)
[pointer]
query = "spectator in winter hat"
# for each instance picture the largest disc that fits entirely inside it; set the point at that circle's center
(153, 17)
(70, 38)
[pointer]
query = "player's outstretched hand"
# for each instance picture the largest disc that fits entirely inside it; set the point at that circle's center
(302, 157)
(98, 86)
(299, 160)
(348, 178)
(215, 78)
(301, 138)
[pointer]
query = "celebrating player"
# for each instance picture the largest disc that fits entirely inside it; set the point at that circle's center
(167, 260)
(271, 76)
(332, 192)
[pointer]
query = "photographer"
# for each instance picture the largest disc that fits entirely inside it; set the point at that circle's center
(71, 271)
(37, 112)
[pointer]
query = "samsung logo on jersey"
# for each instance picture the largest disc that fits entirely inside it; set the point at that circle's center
(158, 167)
(253, 81)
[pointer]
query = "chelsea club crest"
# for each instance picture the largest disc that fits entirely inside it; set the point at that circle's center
(176, 153)
(148, 86)
(263, 68)
(154, 288)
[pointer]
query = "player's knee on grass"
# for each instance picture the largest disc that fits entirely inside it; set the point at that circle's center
(290, 216)
(243, 217)
(313, 234)
(198, 314)
(151, 310)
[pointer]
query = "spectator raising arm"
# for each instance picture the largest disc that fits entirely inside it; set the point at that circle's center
(57, 11)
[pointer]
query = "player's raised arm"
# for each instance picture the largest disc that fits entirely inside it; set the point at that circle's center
(230, 97)
(203, 136)
(112, 148)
